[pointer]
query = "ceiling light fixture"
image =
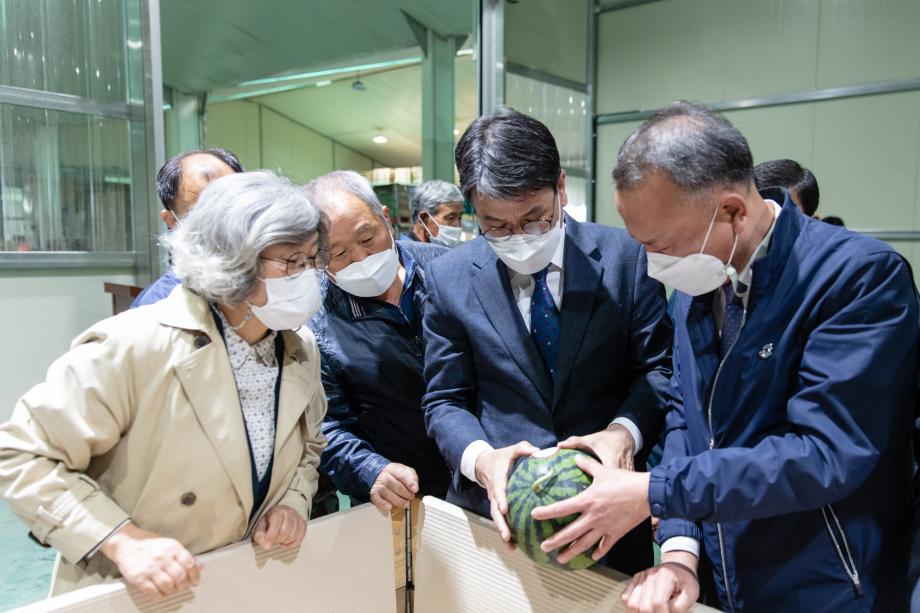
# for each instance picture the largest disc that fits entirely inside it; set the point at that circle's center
(323, 83)
(380, 139)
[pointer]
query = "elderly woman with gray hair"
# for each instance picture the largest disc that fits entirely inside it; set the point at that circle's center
(437, 213)
(179, 427)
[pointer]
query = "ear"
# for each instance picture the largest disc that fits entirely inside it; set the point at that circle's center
(734, 209)
(560, 187)
(168, 219)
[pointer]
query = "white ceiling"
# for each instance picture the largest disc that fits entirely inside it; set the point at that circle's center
(210, 44)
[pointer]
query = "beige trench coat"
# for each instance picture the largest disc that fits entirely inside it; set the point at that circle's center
(141, 419)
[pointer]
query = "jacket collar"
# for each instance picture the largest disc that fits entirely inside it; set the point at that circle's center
(186, 310)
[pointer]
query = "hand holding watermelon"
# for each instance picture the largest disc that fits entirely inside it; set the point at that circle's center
(614, 503)
(492, 469)
(613, 446)
(547, 476)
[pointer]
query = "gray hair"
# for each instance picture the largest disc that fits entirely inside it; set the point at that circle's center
(698, 149)
(324, 190)
(431, 194)
(215, 248)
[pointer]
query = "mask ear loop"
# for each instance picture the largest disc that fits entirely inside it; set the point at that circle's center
(425, 225)
(712, 224)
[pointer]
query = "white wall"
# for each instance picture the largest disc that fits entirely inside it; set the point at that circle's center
(41, 313)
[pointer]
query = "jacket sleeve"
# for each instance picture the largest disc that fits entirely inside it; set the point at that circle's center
(450, 377)
(349, 460)
(847, 407)
(306, 479)
(650, 337)
(57, 428)
(676, 446)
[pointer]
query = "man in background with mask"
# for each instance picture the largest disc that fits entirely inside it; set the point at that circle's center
(179, 183)
(437, 210)
(541, 330)
(787, 464)
(369, 333)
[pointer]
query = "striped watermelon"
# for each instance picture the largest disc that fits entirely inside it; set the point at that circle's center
(546, 477)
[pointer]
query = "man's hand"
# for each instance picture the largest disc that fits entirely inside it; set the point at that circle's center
(492, 468)
(156, 565)
(281, 525)
(396, 486)
(670, 587)
(614, 447)
(614, 503)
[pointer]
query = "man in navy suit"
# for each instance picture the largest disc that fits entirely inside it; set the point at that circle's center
(541, 330)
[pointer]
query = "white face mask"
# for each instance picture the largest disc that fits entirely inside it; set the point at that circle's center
(695, 274)
(370, 277)
(527, 254)
(448, 236)
(291, 302)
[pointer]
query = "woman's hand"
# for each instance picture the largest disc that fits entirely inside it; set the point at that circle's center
(281, 525)
(156, 565)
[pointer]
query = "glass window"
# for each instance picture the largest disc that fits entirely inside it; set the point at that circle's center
(75, 47)
(65, 181)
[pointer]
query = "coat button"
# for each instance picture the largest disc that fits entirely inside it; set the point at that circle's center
(202, 340)
(188, 498)
(766, 351)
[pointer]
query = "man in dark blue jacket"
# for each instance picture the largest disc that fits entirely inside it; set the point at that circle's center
(369, 333)
(541, 329)
(788, 452)
(179, 183)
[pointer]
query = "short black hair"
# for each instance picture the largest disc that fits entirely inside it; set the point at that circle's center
(790, 175)
(171, 173)
(507, 155)
(697, 148)
(834, 221)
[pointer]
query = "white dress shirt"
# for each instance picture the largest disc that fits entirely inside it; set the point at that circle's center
(522, 290)
(685, 543)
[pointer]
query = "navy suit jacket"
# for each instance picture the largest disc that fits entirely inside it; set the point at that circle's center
(485, 378)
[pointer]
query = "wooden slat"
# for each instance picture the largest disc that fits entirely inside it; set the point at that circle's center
(343, 565)
(463, 567)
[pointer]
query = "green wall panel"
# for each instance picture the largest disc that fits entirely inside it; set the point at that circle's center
(656, 53)
(866, 160)
(235, 126)
(863, 41)
(609, 139)
(548, 35)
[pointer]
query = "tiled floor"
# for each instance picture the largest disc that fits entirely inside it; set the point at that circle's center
(26, 567)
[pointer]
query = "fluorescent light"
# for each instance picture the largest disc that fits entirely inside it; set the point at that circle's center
(323, 83)
(380, 139)
(465, 52)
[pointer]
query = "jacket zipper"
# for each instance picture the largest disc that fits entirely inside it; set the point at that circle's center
(849, 569)
(712, 445)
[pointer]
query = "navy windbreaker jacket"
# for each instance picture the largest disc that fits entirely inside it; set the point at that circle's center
(791, 459)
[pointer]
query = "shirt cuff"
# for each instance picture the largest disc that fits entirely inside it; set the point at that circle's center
(469, 457)
(681, 543)
(629, 425)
